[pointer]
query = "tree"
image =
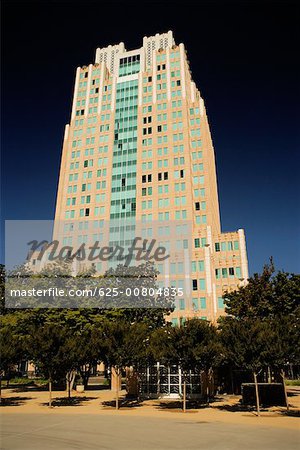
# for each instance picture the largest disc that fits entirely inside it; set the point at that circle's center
(193, 345)
(249, 344)
(11, 346)
(116, 338)
(285, 346)
(207, 350)
(140, 306)
(2, 289)
(274, 298)
(45, 346)
(265, 296)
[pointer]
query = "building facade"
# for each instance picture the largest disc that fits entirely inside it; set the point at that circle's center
(138, 149)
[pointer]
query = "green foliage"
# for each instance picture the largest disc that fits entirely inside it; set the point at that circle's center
(46, 349)
(249, 344)
(263, 324)
(12, 346)
(266, 296)
(193, 345)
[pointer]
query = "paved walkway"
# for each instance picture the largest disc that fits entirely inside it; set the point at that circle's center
(92, 423)
(117, 431)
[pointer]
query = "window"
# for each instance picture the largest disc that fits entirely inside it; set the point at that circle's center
(195, 285)
(238, 272)
(202, 284)
(220, 302)
(87, 212)
(203, 302)
(217, 246)
(181, 304)
(224, 273)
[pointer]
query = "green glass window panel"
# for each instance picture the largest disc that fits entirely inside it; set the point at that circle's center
(203, 302)
(202, 284)
(236, 245)
(238, 272)
(220, 302)
(181, 304)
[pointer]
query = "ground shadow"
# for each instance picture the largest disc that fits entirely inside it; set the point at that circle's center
(14, 401)
(97, 387)
(124, 403)
(292, 394)
(20, 388)
(290, 413)
(66, 401)
(177, 405)
(240, 407)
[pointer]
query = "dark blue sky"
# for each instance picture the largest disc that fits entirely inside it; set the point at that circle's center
(243, 59)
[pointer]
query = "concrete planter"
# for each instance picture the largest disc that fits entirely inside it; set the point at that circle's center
(80, 388)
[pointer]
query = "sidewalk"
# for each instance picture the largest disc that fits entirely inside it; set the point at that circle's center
(226, 409)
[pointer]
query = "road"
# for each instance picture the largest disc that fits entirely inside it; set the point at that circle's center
(115, 432)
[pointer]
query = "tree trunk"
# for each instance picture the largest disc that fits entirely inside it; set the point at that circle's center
(285, 392)
(256, 393)
(70, 378)
(269, 375)
(85, 375)
(117, 390)
(232, 383)
(208, 380)
(292, 371)
(184, 396)
(50, 392)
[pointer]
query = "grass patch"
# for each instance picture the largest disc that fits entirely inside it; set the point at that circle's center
(292, 382)
(24, 381)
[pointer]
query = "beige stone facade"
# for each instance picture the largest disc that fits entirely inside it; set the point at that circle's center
(139, 147)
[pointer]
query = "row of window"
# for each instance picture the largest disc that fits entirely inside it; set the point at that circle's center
(100, 173)
(229, 272)
(228, 245)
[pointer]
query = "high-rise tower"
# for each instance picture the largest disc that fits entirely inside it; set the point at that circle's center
(138, 148)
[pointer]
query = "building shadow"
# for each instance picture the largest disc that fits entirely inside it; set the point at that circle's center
(14, 401)
(66, 401)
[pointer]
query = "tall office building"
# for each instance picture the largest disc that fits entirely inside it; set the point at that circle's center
(138, 149)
